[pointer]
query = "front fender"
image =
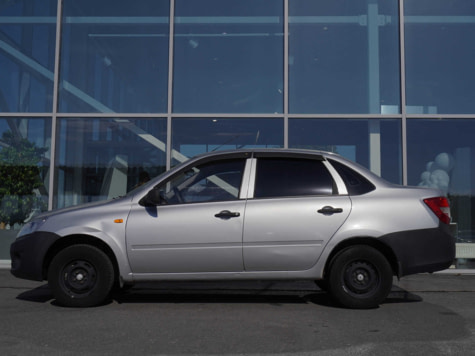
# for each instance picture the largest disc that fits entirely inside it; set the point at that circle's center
(115, 241)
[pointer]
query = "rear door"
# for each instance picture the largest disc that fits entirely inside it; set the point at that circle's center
(294, 211)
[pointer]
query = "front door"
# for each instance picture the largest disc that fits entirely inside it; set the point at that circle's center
(196, 228)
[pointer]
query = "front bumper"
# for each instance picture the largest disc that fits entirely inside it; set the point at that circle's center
(420, 251)
(28, 253)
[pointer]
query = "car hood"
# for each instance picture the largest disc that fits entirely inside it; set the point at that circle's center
(77, 208)
(85, 217)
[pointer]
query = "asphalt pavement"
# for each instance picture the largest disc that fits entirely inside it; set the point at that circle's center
(423, 315)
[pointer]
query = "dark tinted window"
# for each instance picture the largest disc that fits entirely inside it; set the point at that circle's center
(356, 184)
(280, 177)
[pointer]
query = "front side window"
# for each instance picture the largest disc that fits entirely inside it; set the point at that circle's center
(286, 177)
(209, 182)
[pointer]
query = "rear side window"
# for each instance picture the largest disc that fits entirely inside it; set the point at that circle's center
(355, 183)
(287, 177)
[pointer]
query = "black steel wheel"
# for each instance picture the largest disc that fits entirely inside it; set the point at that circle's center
(81, 276)
(360, 277)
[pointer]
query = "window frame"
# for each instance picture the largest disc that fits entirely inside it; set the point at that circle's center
(202, 163)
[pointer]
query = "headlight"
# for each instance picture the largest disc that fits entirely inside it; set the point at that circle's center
(31, 227)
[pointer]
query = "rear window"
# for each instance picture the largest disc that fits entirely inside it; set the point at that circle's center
(286, 177)
(355, 183)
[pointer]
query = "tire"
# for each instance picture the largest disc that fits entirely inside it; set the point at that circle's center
(360, 277)
(81, 276)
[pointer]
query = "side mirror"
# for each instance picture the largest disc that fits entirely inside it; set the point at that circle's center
(153, 198)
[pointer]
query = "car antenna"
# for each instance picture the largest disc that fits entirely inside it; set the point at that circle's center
(225, 143)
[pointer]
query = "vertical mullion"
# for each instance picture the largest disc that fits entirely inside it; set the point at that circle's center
(52, 174)
(403, 92)
(171, 42)
(286, 73)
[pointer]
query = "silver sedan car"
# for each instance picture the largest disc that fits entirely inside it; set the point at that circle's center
(244, 215)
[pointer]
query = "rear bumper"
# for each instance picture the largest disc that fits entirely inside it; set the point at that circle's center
(28, 253)
(419, 251)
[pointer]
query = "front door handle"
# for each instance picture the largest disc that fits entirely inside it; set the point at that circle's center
(328, 210)
(226, 214)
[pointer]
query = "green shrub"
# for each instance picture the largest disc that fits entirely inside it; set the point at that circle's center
(19, 177)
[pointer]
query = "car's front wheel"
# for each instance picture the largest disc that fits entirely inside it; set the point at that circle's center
(81, 276)
(360, 277)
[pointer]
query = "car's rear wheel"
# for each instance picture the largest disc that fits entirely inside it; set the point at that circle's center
(81, 276)
(360, 277)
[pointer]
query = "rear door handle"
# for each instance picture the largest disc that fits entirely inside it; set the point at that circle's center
(226, 214)
(328, 210)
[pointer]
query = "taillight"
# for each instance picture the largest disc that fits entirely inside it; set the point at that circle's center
(441, 207)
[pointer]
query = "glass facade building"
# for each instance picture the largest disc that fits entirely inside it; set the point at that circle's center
(95, 95)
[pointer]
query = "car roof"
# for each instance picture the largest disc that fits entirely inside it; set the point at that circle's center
(251, 152)
(302, 153)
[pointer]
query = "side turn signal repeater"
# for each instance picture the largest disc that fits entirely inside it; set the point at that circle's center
(119, 221)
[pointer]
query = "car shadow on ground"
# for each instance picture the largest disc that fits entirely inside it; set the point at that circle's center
(40, 294)
(138, 295)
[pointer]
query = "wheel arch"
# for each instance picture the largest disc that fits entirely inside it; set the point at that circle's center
(71, 240)
(366, 241)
